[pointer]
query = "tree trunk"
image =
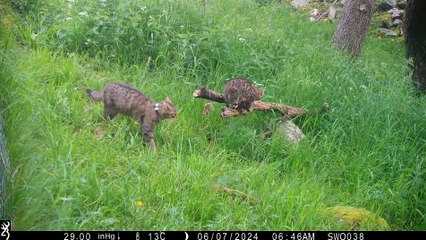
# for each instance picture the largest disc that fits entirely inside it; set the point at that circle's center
(415, 40)
(353, 25)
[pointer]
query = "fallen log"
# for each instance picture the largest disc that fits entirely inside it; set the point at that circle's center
(208, 94)
(288, 111)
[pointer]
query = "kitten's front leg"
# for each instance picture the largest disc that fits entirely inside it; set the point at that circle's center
(147, 128)
(154, 148)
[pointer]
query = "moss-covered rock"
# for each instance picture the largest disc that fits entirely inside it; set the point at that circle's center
(356, 218)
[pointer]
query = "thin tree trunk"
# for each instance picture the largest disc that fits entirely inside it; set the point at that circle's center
(415, 40)
(353, 25)
(4, 172)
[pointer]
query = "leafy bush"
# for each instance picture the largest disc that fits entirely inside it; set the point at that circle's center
(129, 32)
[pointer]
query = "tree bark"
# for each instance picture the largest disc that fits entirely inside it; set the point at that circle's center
(353, 25)
(415, 40)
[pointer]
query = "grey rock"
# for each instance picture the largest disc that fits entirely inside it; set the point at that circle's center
(383, 30)
(300, 3)
(385, 5)
(332, 13)
(286, 130)
(387, 32)
(397, 22)
(396, 13)
(291, 132)
(391, 34)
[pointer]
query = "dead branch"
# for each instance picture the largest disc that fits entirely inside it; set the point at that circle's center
(287, 110)
(208, 94)
(236, 193)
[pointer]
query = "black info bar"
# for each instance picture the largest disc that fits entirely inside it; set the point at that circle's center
(214, 235)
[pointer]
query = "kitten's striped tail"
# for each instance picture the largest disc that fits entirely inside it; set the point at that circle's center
(97, 96)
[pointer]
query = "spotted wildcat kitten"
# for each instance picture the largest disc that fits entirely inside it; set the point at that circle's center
(242, 93)
(121, 98)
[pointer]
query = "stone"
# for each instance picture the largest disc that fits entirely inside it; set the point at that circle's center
(391, 34)
(387, 32)
(383, 30)
(299, 3)
(284, 129)
(332, 13)
(291, 132)
(396, 13)
(397, 22)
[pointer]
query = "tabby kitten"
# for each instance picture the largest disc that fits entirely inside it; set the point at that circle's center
(242, 93)
(121, 98)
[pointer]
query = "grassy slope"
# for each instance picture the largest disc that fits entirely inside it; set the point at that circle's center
(74, 171)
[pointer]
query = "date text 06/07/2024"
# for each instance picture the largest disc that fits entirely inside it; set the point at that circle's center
(254, 235)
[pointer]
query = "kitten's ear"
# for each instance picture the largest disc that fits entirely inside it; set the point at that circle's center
(168, 100)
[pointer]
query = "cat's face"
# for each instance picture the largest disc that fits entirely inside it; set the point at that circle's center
(168, 109)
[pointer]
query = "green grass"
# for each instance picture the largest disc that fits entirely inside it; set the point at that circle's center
(72, 170)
